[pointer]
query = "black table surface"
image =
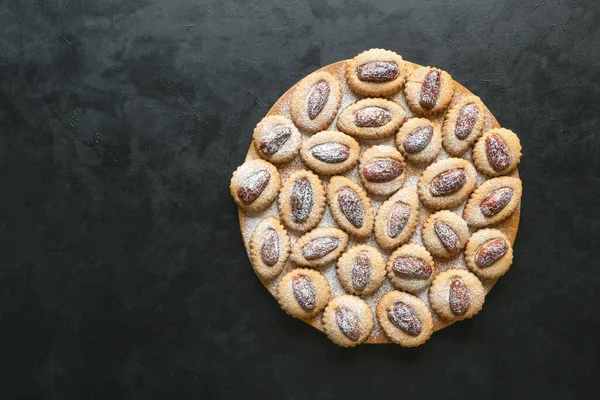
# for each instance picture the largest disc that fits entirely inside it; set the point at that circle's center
(122, 270)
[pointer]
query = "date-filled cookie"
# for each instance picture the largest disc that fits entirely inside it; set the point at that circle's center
(361, 270)
(445, 234)
(315, 102)
(330, 152)
(381, 170)
(497, 152)
(269, 248)
(302, 201)
(319, 247)
(347, 320)
(254, 185)
(410, 268)
(428, 90)
(371, 118)
(350, 206)
(405, 318)
(489, 254)
(456, 294)
(375, 72)
(303, 293)
(447, 183)
(276, 139)
(419, 140)
(493, 201)
(397, 219)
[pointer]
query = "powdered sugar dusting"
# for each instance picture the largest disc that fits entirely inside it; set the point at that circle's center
(430, 89)
(447, 236)
(497, 153)
(301, 200)
(317, 98)
(304, 292)
(490, 252)
(372, 117)
(448, 182)
(361, 271)
(248, 222)
(351, 206)
(348, 322)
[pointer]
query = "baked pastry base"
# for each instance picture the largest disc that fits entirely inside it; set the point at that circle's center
(248, 222)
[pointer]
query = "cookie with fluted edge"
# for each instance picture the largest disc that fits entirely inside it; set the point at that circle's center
(419, 140)
(397, 219)
(382, 170)
(254, 185)
(269, 248)
(493, 201)
(330, 152)
(375, 72)
(428, 90)
(447, 183)
(456, 294)
(463, 124)
(445, 234)
(489, 253)
(497, 152)
(315, 101)
(404, 318)
(302, 201)
(277, 139)
(361, 270)
(303, 293)
(372, 118)
(410, 268)
(350, 206)
(319, 247)
(347, 320)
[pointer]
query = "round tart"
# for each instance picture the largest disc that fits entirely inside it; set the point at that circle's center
(383, 74)
(361, 270)
(269, 248)
(405, 318)
(489, 254)
(419, 140)
(319, 247)
(381, 170)
(397, 219)
(371, 118)
(463, 124)
(497, 152)
(375, 72)
(330, 152)
(428, 90)
(316, 101)
(447, 183)
(303, 293)
(347, 320)
(302, 201)
(350, 206)
(456, 294)
(410, 268)
(493, 201)
(254, 185)
(445, 234)
(277, 139)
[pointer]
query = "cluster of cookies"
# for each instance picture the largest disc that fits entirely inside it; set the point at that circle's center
(442, 189)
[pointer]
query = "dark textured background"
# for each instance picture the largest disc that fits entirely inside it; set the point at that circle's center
(122, 270)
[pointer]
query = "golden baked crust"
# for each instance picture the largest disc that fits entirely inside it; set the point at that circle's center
(254, 185)
(347, 320)
(303, 293)
(302, 201)
(405, 318)
(456, 294)
(373, 118)
(445, 234)
(361, 270)
(330, 152)
(249, 221)
(497, 152)
(428, 90)
(488, 254)
(463, 124)
(277, 139)
(493, 201)
(350, 206)
(269, 248)
(316, 101)
(447, 183)
(397, 219)
(379, 76)
(410, 268)
(419, 140)
(382, 170)
(319, 247)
